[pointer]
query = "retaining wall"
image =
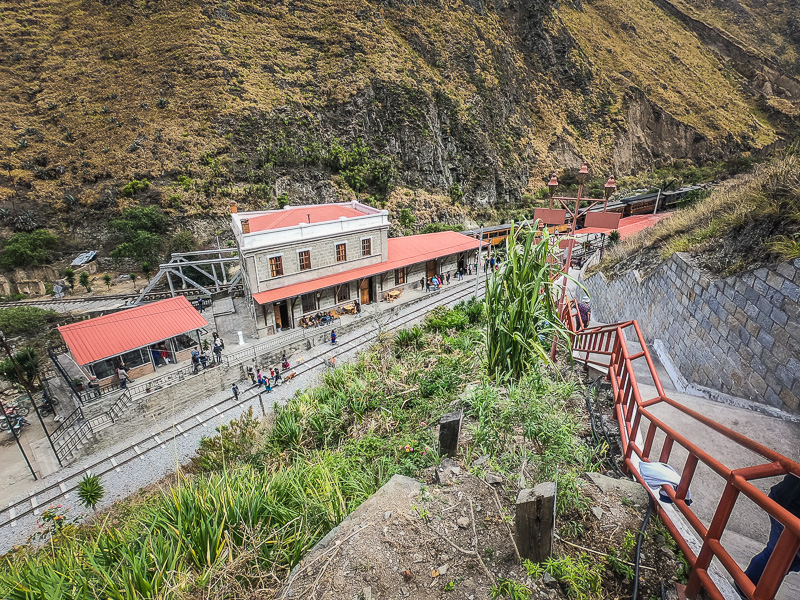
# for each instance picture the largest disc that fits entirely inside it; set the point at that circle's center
(739, 335)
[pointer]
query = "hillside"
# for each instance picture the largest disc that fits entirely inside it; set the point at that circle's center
(469, 100)
(750, 221)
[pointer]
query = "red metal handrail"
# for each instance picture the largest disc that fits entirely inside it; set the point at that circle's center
(630, 409)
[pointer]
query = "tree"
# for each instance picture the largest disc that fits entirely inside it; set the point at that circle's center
(90, 491)
(407, 218)
(147, 270)
(107, 280)
(183, 241)
(84, 280)
(69, 277)
(28, 363)
(28, 249)
(613, 238)
(133, 280)
(25, 320)
(140, 232)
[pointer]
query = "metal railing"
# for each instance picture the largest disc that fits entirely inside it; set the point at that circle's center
(632, 413)
(74, 417)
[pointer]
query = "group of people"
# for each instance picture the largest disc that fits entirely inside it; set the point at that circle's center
(267, 379)
(210, 356)
(319, 319)
(434, 282)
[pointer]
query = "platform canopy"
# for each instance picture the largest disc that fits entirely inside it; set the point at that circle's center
(120, 332)
(627, 226)
(402, 252)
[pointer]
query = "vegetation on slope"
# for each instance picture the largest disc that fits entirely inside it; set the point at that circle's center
(190, 104)
(748, 221)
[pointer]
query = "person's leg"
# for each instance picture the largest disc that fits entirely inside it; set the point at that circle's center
(756, 567)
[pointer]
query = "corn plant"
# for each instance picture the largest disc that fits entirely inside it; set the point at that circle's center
(521, 305)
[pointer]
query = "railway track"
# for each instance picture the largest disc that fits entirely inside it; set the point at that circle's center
(32, 504)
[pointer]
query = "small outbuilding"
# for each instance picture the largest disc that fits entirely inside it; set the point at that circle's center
(141, 338)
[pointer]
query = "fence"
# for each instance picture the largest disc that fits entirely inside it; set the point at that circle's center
(609, 342)
(76, 429)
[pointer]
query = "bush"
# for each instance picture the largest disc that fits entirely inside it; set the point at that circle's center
(133, 187)
(28, 249)
(437, 227)
(235, 442)
(90, 491)
(140, 230)
(442, 380)
(474, 309)
(442, 318)
(408, 338)
(183, 241)
(25, 320)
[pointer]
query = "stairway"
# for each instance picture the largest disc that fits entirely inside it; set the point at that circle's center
(747, 531)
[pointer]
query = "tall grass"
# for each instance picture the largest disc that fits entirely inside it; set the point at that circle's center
(521, 306)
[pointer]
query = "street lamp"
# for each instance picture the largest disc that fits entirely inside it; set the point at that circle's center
(553, 186)
(609, 189)
(582, 177)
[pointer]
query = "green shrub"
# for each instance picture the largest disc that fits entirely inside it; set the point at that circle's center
(442, 318)
(441, 381)
(185, 182)
(408, 338)
(234, 442)
(28, 249)
(283, 200)
(455, 192)
(90, 491)
(140, 230)
(133, 187)
(437, 227)
(183, 241)
(521, 305)
(25, 320)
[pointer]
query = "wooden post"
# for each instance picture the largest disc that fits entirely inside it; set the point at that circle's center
(536, 513)
(449, 430)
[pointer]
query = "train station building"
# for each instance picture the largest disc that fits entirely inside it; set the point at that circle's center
(140, 338)
(303, 260)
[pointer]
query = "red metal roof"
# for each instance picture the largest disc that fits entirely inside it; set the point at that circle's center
(302, 214)
(628, 226)
(110, 335)
(402, 252)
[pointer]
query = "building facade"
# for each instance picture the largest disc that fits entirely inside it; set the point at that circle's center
(302, 260)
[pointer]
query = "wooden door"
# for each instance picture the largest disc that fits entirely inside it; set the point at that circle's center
(364, 287)
(277, 310)
(431, 268)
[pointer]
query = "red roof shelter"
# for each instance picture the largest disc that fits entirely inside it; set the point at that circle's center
(401, 252)
(627, 226)
(120, 332)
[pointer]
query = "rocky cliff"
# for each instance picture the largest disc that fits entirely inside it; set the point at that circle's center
(326, 99)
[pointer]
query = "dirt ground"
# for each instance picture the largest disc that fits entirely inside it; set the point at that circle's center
(424, 540)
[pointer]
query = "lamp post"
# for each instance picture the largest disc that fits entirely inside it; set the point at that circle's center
(14, 431)
(582, 177)
(29, 391)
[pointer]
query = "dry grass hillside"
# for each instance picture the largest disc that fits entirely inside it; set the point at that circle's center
(252, 101)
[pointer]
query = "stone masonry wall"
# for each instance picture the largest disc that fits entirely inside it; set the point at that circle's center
(739, 335)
